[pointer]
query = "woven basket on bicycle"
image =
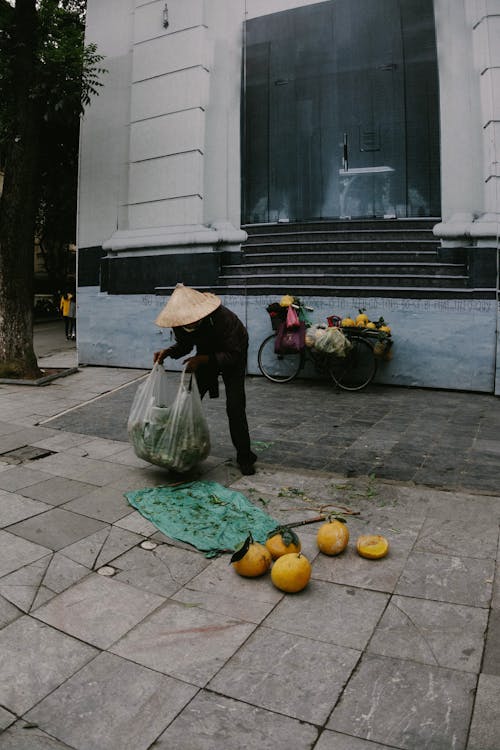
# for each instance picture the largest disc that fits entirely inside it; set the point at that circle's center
(277, 313)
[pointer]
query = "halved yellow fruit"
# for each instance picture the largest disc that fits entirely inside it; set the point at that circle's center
(372, 546)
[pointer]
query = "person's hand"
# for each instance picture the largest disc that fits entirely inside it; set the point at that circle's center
(160, 356)
(192, 363)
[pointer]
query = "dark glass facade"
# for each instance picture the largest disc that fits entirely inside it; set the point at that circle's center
(341, 112)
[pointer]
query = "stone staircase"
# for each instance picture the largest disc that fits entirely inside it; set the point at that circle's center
(383, 258)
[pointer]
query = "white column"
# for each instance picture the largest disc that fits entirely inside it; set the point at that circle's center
(172, 86)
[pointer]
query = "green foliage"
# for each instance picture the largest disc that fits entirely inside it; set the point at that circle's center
(67, 76)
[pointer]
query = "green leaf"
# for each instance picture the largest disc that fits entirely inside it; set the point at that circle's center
(289, 537)
(241, 551)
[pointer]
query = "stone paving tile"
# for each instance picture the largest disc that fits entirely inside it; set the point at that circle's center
(57, 490)
(380, 575)
(43, 596)
(341, 615)
(35, 660)
(162, 571)
(20, 738)
(117, 542)
(259, 673)
(476, 536)
(239, 607)
(21, 586)
(56, 528)
(18, 477)
(112, 704)
(87, 470)
(62, 573)
(87, 550)
(97, 448)
(8, 612)
(14, 508)
(98, 610)
(495, 601)
(6, 719)
(491, 660)
(104, 503)
(127, 457)
(185, 642)
(137, 524)
(61, 441)
(446, 635)
(213, 722)
(221, 578)
(336, 741)
(485, 726)
(15, 552)
(406, 705)
(466, 506)
(446, 578)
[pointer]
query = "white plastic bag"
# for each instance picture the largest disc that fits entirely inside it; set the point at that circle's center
(150, 395)
(174, 437)
(333, 341)
(313, 333)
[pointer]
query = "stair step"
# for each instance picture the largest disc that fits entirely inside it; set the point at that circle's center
(275, 290)
(397, 256)
(334, 248)
(337, 280)
(399, 225)
(386, 269)
(385, 258)
(361, 235)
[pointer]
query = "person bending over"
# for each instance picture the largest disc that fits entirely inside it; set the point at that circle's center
(199, 320)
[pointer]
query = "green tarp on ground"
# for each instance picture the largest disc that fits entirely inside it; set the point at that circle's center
(211, 517)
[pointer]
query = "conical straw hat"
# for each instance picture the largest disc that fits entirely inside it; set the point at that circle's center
(186, 306)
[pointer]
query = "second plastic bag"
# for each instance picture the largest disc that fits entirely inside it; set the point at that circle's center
(174, 437)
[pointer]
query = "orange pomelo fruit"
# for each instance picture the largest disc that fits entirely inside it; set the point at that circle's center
(283, 543)
(372, 546)
(332, 537)
(253, 560)
(291, 572)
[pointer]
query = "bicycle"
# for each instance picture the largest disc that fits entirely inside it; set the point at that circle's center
(352, 372)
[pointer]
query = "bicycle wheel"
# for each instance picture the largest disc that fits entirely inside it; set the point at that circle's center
(354, 371)
(280, 368)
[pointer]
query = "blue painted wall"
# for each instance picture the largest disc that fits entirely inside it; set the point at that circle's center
(449, 344)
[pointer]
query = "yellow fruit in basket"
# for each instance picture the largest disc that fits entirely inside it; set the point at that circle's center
(372, 546)
(283, 543)
(348, 323)
(385, 329)
(362, 320)
(332, 537)
(287, 300)
(252, 560)
(291, 573)
(371, 325)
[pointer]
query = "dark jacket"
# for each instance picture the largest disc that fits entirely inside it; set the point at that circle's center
(224, 338)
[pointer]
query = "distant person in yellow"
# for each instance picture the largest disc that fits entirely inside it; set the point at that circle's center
(65, 307)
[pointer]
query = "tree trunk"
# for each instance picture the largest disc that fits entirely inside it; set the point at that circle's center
(18, 209)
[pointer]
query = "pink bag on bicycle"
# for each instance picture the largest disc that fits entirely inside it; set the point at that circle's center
(292, 319)
(290, 341)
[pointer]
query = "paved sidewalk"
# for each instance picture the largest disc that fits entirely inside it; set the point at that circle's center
(176, 651)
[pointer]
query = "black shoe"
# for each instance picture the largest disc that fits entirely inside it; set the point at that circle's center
(247, 469)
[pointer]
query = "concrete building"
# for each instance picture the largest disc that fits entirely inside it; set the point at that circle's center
(354, 142)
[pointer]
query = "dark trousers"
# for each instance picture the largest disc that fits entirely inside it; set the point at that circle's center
(234, 381)
(67, 326)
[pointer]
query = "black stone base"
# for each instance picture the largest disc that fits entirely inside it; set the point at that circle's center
(142, 274)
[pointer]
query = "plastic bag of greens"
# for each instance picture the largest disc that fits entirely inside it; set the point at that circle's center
(333, 341)
(181, 437)
(150, 396)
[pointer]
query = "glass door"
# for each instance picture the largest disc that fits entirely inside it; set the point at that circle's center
(340, 112)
